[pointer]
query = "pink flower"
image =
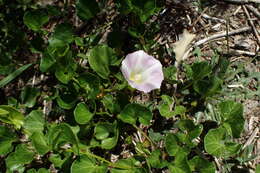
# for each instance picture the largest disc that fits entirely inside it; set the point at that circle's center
(142, 71)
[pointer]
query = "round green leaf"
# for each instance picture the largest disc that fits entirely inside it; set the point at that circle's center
(85, 164)
(16, 160)
(100, 58)
(34, 122)
(232, 113)
(201, 165)
(82, 114)
(7, 137)
(133, 111)
(13, 117)
(90, 83)
(39, 143)
(86, 9)
(215, 143)
(35, 19)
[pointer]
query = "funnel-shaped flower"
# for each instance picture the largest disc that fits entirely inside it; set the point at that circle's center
(142, 71)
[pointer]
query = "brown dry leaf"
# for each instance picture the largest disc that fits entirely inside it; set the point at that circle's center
(181, 46)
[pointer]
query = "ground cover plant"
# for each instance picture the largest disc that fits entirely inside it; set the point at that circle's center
(127, 86)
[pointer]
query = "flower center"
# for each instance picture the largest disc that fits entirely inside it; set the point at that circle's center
(136, 77)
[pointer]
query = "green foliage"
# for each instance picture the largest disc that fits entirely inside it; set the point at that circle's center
(74, 111)
(86, 164)
(11, 116)
(132, 112)
(216, 142)
(82, 114)
(100, 58)
(7, 138)
(87, 10)
(35, 19)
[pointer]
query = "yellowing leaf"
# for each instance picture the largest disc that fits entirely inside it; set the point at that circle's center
(181, 46)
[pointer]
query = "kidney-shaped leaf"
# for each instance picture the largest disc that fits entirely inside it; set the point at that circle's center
(35, 19)
(82, 114)
(86, 9)
(7, 137)
(215, 143)
(232, 113)
(13, 117)
(100, 58)
(133, 111)
(85, 164)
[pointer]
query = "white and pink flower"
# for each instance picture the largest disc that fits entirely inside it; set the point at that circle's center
(142, 71)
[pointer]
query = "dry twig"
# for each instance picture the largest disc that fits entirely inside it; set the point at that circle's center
(223, 34)
(242, 1)
(252, 25)
(253, 10)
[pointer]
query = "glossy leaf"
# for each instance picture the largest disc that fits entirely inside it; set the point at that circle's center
(86, 9)
(100, 58)
(63, 34)
(7, 137)
(86, 164)
(35, 19)
(132, 112)
(82, 114)
(201, 165)
(29, 96)
(216, 143)
(39, 142)
(16, 160)
(34, 122)
(90, 83)
(14, 117)
(232, 113)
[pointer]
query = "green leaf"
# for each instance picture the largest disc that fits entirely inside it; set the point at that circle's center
(90, 83)
(201, 165)
(216, 143)
(188, 127)
(208, 87)
(35, 19)
(63, 34)
(86, 9)
(16, 160)
(57, 160)
(144, 9)
(34, 122)
(85, 164)
(133, 111)
(100, 58)
(47, 61)
(66, 68)
(61, 134)
(82, 114)
(66, 100)
(155, 159)
(232, 113)
(13, 75)
(181, 162)
(107, 133)
(7, 137)
(171, 144)
(129, 165)
(165, 108)
(200, 70)
(13, 117)
(169, 73)
(39, 142)
(111, 103)
(29, 96)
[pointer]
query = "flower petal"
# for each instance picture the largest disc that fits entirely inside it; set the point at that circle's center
(140, 65)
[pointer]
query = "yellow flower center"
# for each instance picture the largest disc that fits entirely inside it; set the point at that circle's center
(136, 77)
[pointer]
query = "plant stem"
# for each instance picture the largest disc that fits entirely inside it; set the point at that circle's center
(144, 134)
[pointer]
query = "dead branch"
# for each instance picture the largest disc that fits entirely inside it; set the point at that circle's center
(252, 25)
(253, 10)
(242, 1)
(223, 34)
